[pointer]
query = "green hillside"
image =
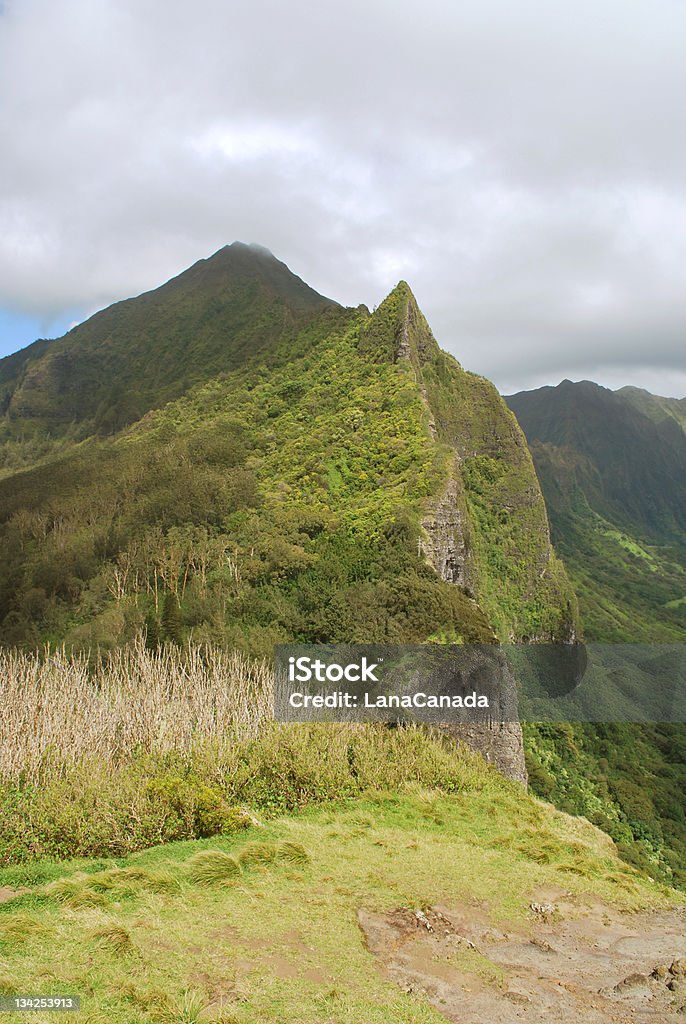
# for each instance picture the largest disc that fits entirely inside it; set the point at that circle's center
(656, 407)
(631, 469)
(167, 861)
(273, 924)
(285, 497)
(140, 353)
(612, 467)
(295, 470)
(615, 487)
(233, 461)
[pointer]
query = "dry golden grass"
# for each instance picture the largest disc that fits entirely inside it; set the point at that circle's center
(58, 708)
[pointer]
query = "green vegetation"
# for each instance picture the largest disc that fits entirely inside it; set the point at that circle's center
(612, 469)
(98, 806)
(655, 407)
(510, 567)
(626, 579)
(136, 355)
(630, 468)
(174, 745)
(284, 498)
(234, 461)
(255, 510)
(208, 931)
(627, 779)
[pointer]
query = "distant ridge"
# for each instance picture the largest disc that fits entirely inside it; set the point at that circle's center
(613, 470)
(656, 407)
(635, 462)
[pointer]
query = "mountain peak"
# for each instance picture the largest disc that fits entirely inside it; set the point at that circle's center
(397, 329)
(247, 263)
(244, 248)
(237, 304)
(402, 288)
(581, 386)
(255, 247)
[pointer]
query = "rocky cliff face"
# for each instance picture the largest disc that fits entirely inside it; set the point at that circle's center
(444, 541)
(500, 743)
(487, 531)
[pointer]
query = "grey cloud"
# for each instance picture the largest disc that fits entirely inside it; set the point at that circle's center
(522, 165)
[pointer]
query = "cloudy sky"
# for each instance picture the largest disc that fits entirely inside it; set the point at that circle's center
(522, 164)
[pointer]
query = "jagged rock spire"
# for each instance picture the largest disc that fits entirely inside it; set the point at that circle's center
(398, 330)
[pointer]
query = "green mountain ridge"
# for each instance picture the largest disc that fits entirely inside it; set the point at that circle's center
(611, 465)
(656, 407)
(631, 468)
(234, 459)
(615, 487)
(140, 353)
(315, 456)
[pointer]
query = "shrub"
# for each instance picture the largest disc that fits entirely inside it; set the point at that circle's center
(194, 807)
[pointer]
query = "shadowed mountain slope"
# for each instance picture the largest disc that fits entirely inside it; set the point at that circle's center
(137, 354)
(631, 468)
(615, 486)
(611, 465)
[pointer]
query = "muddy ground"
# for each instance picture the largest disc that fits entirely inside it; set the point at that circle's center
(576, 960)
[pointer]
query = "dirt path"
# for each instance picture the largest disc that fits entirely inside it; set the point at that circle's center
(576, 961)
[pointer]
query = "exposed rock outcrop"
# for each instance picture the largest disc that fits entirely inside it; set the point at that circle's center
(444, 541)
(499, 743)
(487, 531)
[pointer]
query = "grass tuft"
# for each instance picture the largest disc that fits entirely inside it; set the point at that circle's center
(74, 892)
(132, 880)
(115, 937)
(293, 853)
(212, 867)
(21, 927)
(185, 1010)
(255, 854)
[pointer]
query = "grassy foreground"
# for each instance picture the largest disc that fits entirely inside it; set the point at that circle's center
(173, 857)
(261, 925)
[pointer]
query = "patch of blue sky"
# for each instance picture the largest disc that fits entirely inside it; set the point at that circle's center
(17, 330)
